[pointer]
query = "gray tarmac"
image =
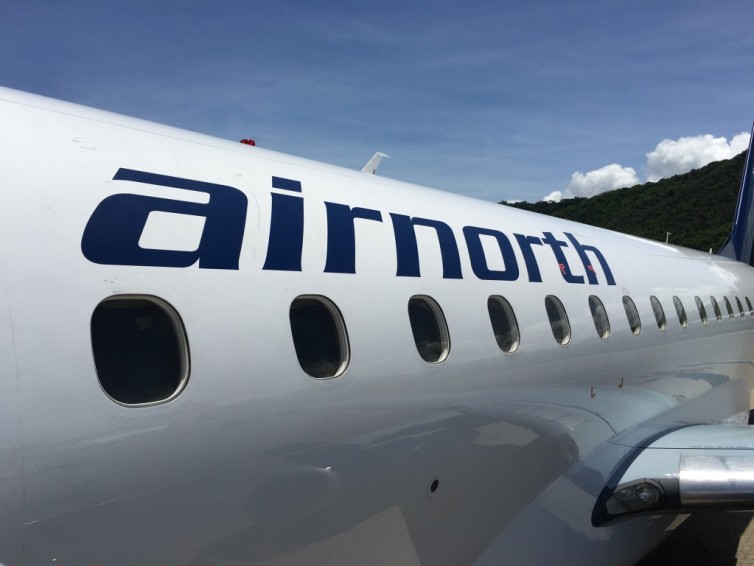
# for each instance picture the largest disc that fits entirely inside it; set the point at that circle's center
(721, 539)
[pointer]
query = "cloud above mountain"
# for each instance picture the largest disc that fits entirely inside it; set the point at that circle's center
(670, 157)
(607, 178)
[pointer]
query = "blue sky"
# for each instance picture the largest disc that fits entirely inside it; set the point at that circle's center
(497, 100)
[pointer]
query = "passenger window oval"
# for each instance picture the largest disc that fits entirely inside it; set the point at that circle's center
(751, 308)
(632, 314)
(658, 312)
(504, 325)
(740, 307)
(561, 328)
(701, 309)
(728, 308)
(429, 329)
(599, 316)
(319, 336)
(680, 311)
(716, 309)
(140, 350)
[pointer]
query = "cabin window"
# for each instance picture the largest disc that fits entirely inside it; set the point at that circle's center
(748, 304)
(716, 308)
(702, 310)
(740, 307)
(429, 329)
(504, 324)
(599, 316)
(659, 312)
(561, 328)
(729, 308)
(680, 311)
(319, 336)
(632, 314)
(140, 350)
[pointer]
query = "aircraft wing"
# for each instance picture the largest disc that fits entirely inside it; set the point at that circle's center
(695, 467)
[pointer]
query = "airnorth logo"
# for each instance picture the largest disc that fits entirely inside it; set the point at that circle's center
(112, 235)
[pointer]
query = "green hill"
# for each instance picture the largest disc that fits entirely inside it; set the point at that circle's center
(696, 207)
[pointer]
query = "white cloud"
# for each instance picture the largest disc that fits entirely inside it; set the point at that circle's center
(740, 143)
(673, 157)
(670, 157)
(607, 178)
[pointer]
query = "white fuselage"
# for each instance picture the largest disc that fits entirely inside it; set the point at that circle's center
(257, 462)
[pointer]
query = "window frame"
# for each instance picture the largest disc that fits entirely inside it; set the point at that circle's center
(701, 309)
(442, 327)
(680, 310)
(659, 312)
(182, 343)
(716, 309)
(341, 331)
(729, 308)
(563, 320)
(512, 322)
(595, 305)
(629, 304)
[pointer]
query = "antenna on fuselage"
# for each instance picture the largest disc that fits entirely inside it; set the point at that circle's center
(372, 164)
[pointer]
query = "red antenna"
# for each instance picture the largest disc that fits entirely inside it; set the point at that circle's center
(248, 142)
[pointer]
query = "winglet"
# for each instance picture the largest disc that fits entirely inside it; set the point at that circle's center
(740, 242)
(372, 164)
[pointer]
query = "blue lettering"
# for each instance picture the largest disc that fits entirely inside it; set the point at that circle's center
(113, 231)
(286, 228)
(116, 226)
(560, 257)
(341, 237)
(590, 274)
(532, 268)
(407, 249)
(479, 261)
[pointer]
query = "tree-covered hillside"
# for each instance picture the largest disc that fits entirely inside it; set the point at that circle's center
(696, 207)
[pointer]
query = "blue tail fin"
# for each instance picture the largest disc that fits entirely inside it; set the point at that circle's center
(740, 242)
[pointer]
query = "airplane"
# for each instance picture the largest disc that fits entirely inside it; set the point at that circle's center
(213, 353)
